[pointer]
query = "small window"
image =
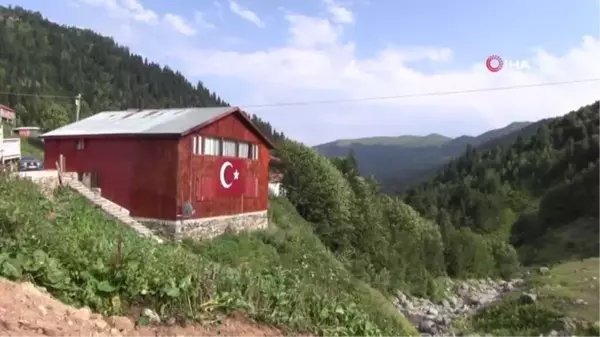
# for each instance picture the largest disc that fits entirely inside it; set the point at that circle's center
(229, 147)
(255, 150)
(243, 150)
(197, 145)
(212, 146)
(80, 144)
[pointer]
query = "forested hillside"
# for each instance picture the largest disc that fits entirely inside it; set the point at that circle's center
(43, 66)
(366, 230)
(408, 159)
(284, 276)
(327, 272)
(547, 183)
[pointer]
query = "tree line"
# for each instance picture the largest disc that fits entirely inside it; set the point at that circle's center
(461, 223)
(522, 191)
(43, 66)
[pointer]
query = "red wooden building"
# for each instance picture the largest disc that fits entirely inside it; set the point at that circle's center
(7, 114)
(171, 165)
(26, 131)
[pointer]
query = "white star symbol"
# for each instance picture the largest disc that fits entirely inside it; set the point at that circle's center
(236, 175)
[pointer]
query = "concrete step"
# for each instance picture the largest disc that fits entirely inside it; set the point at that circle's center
(112, 209)
(117, 212)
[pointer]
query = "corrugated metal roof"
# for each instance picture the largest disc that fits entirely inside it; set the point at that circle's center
(151, 121)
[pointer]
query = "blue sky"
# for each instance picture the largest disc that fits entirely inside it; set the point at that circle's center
(256, 52)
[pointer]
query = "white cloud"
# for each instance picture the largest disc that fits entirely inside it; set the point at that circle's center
(179, 24)
(139, 12)
(201, 20)
(310, 32)
(127, 9)
(340, 14)
(318, 62)
(245, 14)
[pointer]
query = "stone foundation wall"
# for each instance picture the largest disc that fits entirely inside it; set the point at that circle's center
(208, 228)
(47, 180)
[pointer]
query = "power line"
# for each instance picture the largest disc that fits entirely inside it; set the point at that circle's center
(34, 95)
(364, 99)
(438, 93)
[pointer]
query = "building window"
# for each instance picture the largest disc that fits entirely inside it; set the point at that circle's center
(254, 152)
(197, 145)
(243, 150)
(212, 146)
(229, 147)
(80, 144)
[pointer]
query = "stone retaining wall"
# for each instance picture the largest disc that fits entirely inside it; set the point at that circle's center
(208, 228)
(47, 180)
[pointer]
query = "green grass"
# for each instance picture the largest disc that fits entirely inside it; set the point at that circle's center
(567, 282)
(282, 276)
(557, 292)
(293, 246)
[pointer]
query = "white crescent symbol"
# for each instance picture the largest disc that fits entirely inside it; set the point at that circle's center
(222, 174)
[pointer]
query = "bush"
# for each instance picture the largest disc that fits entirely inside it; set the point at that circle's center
(468, 255)
(505, 257)
(380, 239)
(511, 318)
(319, 192)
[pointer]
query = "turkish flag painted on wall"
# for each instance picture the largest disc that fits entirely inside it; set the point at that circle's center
(231, 175)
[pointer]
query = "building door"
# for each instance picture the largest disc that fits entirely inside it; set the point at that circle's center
(89, 179)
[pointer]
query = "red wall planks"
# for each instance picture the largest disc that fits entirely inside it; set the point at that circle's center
(134, 172)
(194, 168)
(155, 176)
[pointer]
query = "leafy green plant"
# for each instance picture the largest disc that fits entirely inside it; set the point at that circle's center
(511, 318)
(283, 276)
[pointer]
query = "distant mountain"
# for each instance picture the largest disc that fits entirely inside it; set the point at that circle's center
(400, 161)
(433, 139)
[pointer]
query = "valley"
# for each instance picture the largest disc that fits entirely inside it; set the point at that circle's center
(408, 159)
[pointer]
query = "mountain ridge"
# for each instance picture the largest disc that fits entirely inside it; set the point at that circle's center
(410, 139)
(399, 160)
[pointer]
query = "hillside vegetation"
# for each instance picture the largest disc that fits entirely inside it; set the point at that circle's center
(337, 249)
(38, 56)
(398, 162)
(541, 192)
(276, 277)
(41, 57)
(283, 276)
(379, 238)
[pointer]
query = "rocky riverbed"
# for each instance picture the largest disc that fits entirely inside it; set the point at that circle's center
(464, 298)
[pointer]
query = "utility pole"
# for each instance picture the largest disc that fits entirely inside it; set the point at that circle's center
(77, 106)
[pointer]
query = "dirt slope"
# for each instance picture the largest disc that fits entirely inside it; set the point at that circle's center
(27, 311)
